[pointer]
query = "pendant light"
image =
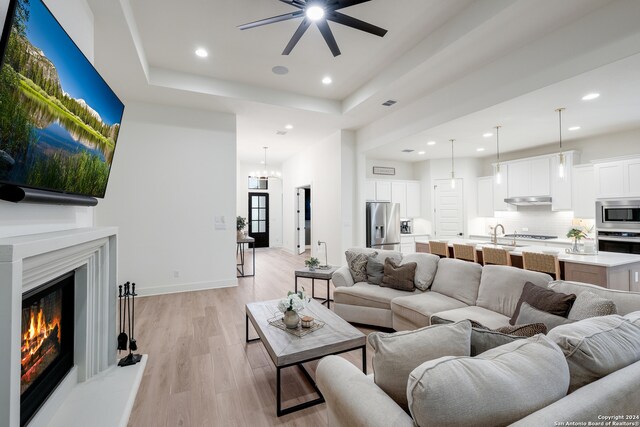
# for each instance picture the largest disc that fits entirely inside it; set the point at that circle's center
(453, 174)
(265, 174)
(498, 174)
(561, 155)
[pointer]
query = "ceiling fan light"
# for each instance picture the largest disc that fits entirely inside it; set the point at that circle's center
(314, 13)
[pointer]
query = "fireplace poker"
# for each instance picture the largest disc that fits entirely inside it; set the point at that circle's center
(133, 346)
(122, 337)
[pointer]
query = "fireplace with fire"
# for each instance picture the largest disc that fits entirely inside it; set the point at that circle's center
(46, 342)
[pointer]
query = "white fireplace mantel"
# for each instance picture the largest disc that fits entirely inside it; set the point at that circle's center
(29, 261)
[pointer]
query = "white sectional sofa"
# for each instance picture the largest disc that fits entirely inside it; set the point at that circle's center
(459, 290)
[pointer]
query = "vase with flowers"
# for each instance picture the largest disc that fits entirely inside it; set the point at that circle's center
(291, 306)
(576, 234)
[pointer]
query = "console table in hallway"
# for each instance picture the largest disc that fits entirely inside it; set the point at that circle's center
(240, 251)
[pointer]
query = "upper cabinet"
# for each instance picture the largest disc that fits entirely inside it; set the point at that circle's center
(405, 193)
(584, 192)
(620, 178)
(529, 177)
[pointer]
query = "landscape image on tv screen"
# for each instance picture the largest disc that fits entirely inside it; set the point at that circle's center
(59, 120)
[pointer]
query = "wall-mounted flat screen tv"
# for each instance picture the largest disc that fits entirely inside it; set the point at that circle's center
(59, 120)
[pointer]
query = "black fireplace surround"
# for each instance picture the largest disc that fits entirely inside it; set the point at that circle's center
(46, 342)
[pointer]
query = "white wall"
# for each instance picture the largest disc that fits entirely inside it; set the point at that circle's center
(275, 199)
(174, 172)
(329, 168)
(19, 219)
(404, 170)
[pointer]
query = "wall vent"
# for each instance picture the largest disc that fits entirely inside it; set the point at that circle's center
(281, 132)
(408, 150)
(389, 103)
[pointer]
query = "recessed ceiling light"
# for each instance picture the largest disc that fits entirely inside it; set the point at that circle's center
(479, 149)
(422, 152)
(289, 127)
(202, 52)
(487, 135)
(314, 12)
(327, 80)
(262, 162)
(572, 128)
(431, 143)
(590, 96)
(280, 70)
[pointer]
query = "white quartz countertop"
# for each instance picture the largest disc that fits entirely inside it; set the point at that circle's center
(563, 240)
(425, 235)
(602, 259)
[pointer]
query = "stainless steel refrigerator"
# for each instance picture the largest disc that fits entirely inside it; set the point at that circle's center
(383, 225)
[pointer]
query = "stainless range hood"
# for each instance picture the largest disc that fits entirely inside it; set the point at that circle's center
(529, 201)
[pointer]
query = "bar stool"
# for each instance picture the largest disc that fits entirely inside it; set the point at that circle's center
(544, 263)
(439, 248)
(465, 252)
(495, 256)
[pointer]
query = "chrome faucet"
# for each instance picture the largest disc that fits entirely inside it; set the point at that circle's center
(494, 239)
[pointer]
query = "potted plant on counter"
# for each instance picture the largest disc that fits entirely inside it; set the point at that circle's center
(576, 234)
(241, 223)
(312, 263)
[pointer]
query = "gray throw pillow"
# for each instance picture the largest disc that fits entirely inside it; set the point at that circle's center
(357, 262)
(375, 271)
(398, 277)
(588, 304)
(427, 265)
(496, 388)
(598, 346)
(529, 314)
(395, 355)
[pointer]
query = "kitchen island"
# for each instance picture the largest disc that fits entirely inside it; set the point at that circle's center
(608, 269)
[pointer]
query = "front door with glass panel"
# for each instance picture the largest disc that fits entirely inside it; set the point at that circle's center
(259, 218)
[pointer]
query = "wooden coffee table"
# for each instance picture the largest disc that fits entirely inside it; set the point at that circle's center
(286, 350)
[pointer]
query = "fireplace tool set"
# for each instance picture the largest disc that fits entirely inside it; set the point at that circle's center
(127, 318)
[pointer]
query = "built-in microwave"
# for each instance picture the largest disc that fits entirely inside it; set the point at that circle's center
(618, 214)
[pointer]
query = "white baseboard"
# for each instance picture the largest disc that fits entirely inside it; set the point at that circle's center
(185, 287)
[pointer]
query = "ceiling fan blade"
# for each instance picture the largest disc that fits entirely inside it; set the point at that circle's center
(341, 4)
(323, 26)
(296, 36)
(349, 21)
(272, 20)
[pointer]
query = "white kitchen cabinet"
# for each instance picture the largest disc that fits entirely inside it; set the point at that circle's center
(500, 190)
(529, 177)
(383, 191)
(620, 178)
(370, 191)
(561, 191)
(485, 196)
(413, 200)
(632, 168)
(584, 192)
(407, 245)
(399, 195)
(539, 178)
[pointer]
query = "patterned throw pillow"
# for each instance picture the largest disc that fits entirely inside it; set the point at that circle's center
(357, 262)
(588, 305)
(524, 330)
(399, 276)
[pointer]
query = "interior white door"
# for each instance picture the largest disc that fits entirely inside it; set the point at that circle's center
(448, 209)
(300, 222)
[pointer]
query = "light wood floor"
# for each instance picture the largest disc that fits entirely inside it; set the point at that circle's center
(200, 370)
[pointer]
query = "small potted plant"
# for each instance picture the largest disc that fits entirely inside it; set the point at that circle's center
(241, 223)
(576, 234)
(312, 263)
(290, 306)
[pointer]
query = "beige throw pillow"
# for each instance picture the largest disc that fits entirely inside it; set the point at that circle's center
(496, 388)
(395, 355)
(597, 346)
(588, 304)
(357, 262)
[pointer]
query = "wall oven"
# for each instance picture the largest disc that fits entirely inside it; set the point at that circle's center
(618, 214)
(619, 241)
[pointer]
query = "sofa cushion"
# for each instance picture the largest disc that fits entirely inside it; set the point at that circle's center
(366, 295)
(485, 317)
(597, 346)
(544, 299)
(427, 265)
(419, 308)
(458, 279)
(529, 314)
(501, 287)
(398, 276)
(375, 271)
(497, 387)
(396, 355)
(588, 304)
(626, 302)
(482, 338)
